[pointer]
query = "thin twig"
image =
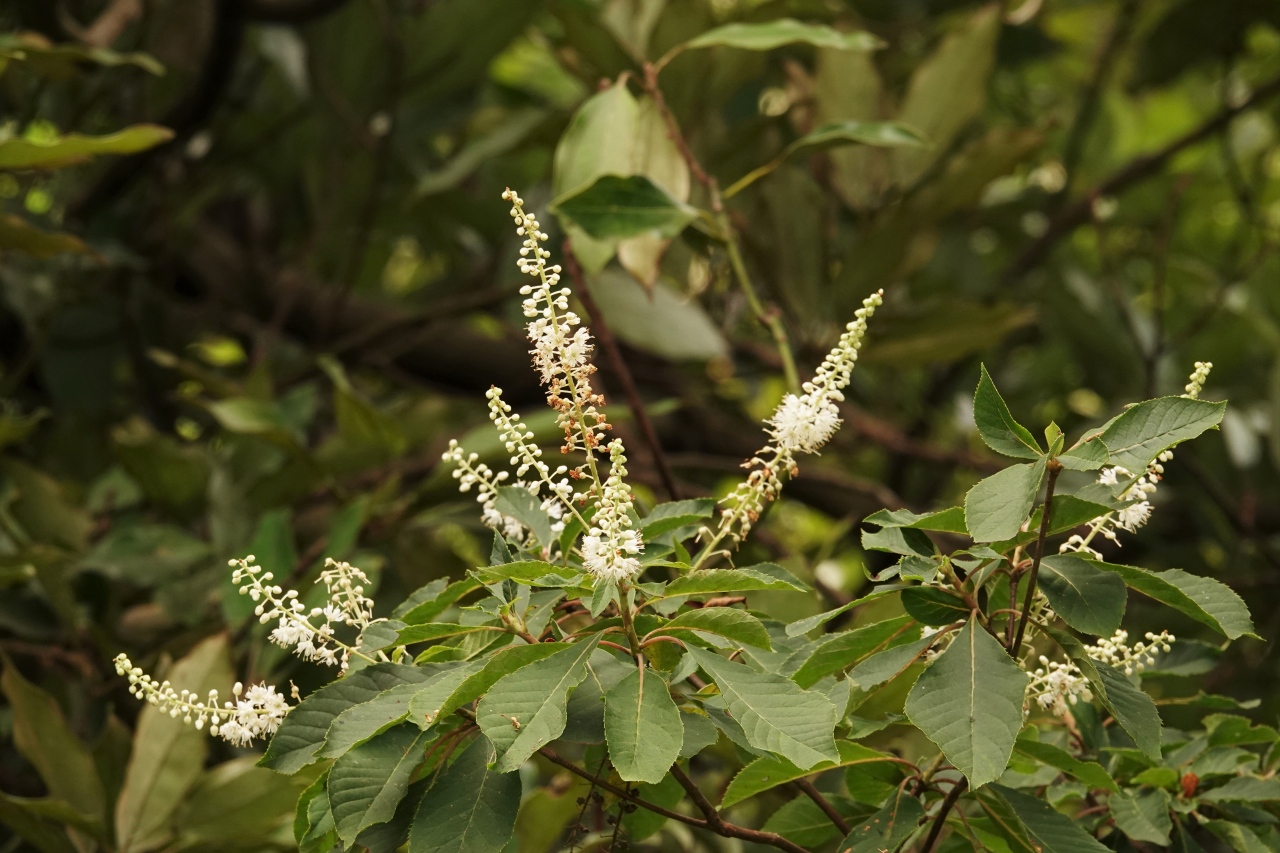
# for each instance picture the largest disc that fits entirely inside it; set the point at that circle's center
(619, 365)
(1055, 468)
(806, 787)
(947, 804)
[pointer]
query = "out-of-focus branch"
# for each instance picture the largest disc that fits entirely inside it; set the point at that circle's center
(1139, 169)
(291, 11)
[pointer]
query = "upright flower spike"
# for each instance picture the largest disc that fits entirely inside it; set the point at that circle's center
(610, 546)
(800, 424)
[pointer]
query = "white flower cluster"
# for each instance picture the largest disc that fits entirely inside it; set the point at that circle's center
(1056, 686)
(256, 712)
(800, 424)
(469, 472)
(1140, 491)
(610, 546)
(561, 346)
(348, 605)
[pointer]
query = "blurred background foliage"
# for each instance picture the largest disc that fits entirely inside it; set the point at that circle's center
(255, 273)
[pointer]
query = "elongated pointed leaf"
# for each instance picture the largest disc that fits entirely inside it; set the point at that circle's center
(770, 34)
(428, 603)
(614, 207)
(804, 626)
(367, 783)
(19, 153)
(1053, 831)
(1139, 434)
(969, 702)
(995, 508)
(996, 425)
(301, 736)
(844, 650)
(775, 714)
(524, 711)
(470, 809)
(1143, 815)
(887, 829)
(1087, 598)
(735, 625)
(1089, 772)
(360, 722)
(1245, 789)
(429, 631)
(1088, 455)
(882, 134)
(884, 665)
(728, 580)
(771, 771)
(643, 727)
(518, 503)
(1205, 600)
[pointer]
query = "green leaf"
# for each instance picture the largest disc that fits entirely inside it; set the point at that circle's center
(933, 606)
(301, 736)
(1089, 772)
(585, 708)
(728, 580)
(804, 626)
(1143, 431)
(1087, 598)
(1143, 815)
(673, 515)
(470, 809)
(466, 685)
(771, 34)
(883, 134)
(882, 666)
(20, 153)
(841, 651)
(996, 425)
(658, 319)
(534, 573)
(1244, 789)
(19, 235)
(995, 508)
(770, 771)
(614, 207)
(439, 630)
(1088, 455)
(643, 727)
(168, 755)
(1205, 600)
(800, 821)
(775, 713)
(367, 783)
(525, 711)
(424, 605)
(736, 625)
(969, 703)
(946, 521)
(1053, 831)
(518, 503)
(887, 829)
(37, 822)
(1132, 708)
(42, 736)
(360, 722)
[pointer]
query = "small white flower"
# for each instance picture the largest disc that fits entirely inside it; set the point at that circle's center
(804, 424)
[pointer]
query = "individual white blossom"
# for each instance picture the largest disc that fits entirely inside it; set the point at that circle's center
(256, 712)
(310, 633)
(1198, 377)
(610, 546)
(1055, 686)
(800, 424)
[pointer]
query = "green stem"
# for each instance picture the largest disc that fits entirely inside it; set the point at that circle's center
(1055, 468)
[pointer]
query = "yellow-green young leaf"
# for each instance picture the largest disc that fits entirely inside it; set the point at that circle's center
(525, 711)
(1087, 598)
(969, 703)
(19, 153)
(770, 34)
(168, 754)
(1140, 434)
(63, 61)
(948, 90)
(775, 714)
(440, 630)
(736, 625)
(995, 508)
(843, 650)
(614, 207)
(770, 771)
(729, 580)
(302, 735)
(1143, 815)
(367, 783)
(643, 727)
(886, 830)
(470, 809)
(996, 425)
(1051, 830)
(41, 734)
(1205, 600)
(1089, 772)
(19, 235)
(533, 572)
